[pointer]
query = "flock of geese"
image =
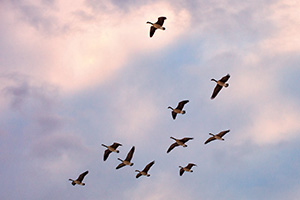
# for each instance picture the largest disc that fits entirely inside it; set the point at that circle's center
(178, 142)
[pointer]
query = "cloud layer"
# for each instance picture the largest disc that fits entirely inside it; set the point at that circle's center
(77, 74)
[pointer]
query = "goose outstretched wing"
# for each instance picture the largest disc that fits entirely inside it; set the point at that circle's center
(225, 78)
(130, 154)
(161, 20)
(216, 91)
(81, 176)
(106, 154)
(181, 104)
(152, 31)
(221, 134)
(209, 140)
(172, 146)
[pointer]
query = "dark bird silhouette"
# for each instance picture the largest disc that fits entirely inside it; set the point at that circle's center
(178, 142)
(157, 25)
(220, 84)
(187, 168)
(79, 179)
(178, 109)
(216, 137)
(145, 170)
(111, 148)
(127, 159)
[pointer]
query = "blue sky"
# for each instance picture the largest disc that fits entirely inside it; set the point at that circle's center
(78, 74)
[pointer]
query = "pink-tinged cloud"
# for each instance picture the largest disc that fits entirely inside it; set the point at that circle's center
(274, 123)
(284, 16)
(81, 48)
(272, 118)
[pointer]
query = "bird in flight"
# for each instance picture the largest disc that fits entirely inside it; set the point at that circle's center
(144, 172)
(178, 109)
(178, 142)
(79, 179)
(217, 136)
(111, 148)
(220, 84)
(127, 159)
(157, 25)
(187, 168)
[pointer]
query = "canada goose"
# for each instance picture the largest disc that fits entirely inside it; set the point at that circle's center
(178, 109)
(187, 168)
(216, 137)
(178, 142)
(111, 148)
(127, 159)
(157, 25)
(220, 84)
(79, 179)
(145, 170)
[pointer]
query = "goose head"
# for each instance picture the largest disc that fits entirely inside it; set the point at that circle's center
(213, 80)
(211, 134)
(149, 23)
(170, 108)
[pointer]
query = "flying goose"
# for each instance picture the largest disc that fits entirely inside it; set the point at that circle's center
(220, 84)
(157, 25)
(145, 170)
(111, 148)
(217, 136)
(178, 142)
(127, 159)
(178, 109)
(79, 179)
(187, 168)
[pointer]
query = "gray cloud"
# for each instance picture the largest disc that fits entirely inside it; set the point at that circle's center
(40, 15)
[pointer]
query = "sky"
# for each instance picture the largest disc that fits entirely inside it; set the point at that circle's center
(78, 74)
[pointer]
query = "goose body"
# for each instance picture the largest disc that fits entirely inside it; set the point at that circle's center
(79, 179)
(217, 136)
(178, 142)
(145, 170)
(220, 84)
(111, 148)
(178, 109)
(188, 168)
(127, 160)
(157, 25)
